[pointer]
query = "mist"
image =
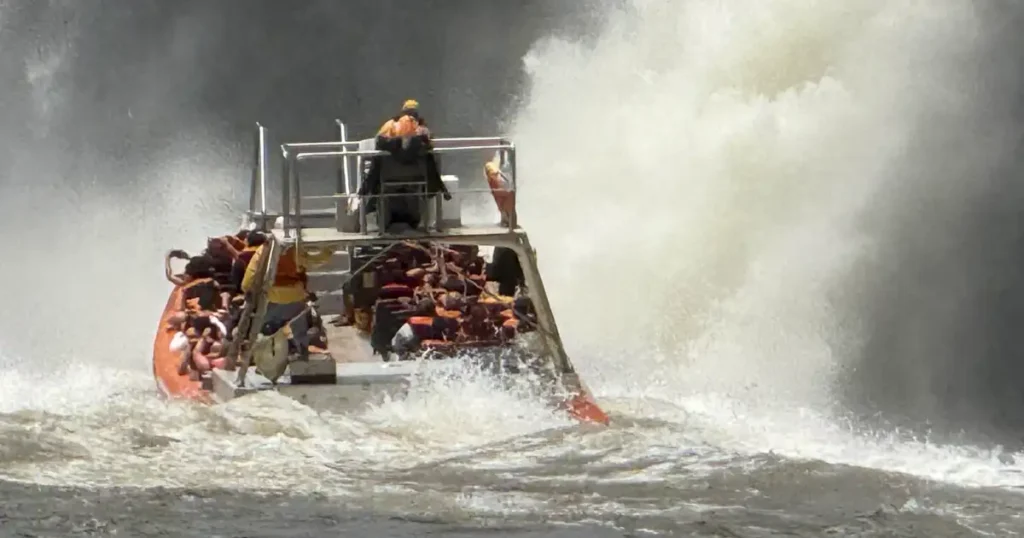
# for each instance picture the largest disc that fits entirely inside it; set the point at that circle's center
(127, 130)
(795, 197)
(943, 294)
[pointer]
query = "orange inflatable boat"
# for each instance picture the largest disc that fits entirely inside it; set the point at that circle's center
(337, 310)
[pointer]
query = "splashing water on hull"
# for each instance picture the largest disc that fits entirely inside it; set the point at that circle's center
(722, 174)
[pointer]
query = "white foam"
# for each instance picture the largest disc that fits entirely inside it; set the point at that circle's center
(706, 166)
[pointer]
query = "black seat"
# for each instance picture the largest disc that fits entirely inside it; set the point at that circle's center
(409, 171)
(407, 180)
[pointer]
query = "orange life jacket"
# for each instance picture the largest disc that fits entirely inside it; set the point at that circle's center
(394, 291)
(422, 327)
(200, 294)
(404, 126)
(510, 328)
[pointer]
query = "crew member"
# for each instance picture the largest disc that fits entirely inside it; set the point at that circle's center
(407, 139)
(287, 296)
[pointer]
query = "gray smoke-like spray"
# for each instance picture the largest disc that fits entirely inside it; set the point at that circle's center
(740, 198)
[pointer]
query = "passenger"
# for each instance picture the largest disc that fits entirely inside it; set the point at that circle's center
(223, 255)
(386, 323)
(180, 344)
(201, 293)
(506, 270)
(476, 326)
(411, 333)
(524, 308)
(206, 355)
(317, 331)
(287, 296)
(180, 341)
(238, 241)
(253, 241)
(201, 346)
(454, 283)
(509, 330)
(469, 260)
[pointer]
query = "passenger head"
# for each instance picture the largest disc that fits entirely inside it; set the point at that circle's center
(452, 301)
(199, 267)
(524, 306)
(255, 238)
(425, 308)
(215, 247)
(410, 105)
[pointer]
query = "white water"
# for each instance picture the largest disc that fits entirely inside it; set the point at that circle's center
(704, 165)
(708, 165)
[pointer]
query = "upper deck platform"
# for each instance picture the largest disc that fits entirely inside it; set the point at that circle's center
(296, 221)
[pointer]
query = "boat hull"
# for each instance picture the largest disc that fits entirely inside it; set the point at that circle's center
(357, 382)
(169, 383)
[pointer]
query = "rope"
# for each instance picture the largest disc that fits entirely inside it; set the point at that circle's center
(482, 289)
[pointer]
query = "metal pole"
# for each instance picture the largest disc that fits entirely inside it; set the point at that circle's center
(261, 163)
(343, 172)
(513, 220)
(286, 174)
(538, 295)
(512, 164)
(298, 212)
(255, 171)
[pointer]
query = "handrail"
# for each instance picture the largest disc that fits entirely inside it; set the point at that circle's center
(259, 173)
(343, 177)
(343, 195)
(346, 186)
(436, 142)
(379, 153)
(294, 153)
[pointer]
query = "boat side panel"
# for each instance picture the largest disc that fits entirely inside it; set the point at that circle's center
(165, 362)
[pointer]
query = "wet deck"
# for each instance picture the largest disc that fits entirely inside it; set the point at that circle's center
(346, 345)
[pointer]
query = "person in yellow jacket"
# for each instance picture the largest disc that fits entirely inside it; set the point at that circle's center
(287, 296)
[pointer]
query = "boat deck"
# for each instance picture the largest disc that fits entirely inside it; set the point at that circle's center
(346, 345)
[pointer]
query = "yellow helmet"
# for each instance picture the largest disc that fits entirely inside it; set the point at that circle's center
(410, 104)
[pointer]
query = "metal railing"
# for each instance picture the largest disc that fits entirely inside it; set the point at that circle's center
(254, 313)
(258, 186)
(344, 151)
